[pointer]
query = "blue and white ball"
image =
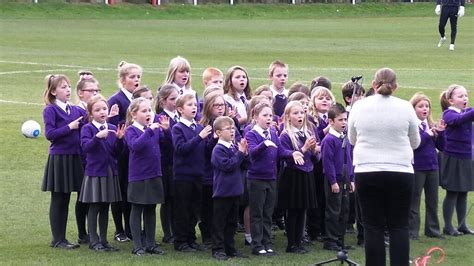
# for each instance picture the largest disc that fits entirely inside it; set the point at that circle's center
(31, 129)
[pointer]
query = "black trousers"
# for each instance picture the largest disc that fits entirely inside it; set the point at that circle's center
(205, 224)
(337, 212)
(451, 13)
(186, 210)
(262, 200)
(149, 224)
(385, 202)
(121, 209)
(315, 217)
(429, 182)
(224, 224)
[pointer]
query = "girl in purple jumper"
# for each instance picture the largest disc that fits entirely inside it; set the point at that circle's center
(457, 177)
(265, 150)
(101, 143)
(426, 169)
(64, 171)
(296, 187)
(145, 188)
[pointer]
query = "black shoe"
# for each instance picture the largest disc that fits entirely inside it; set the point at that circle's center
(440, 236)
(318, 238)
(452, 232)
(196, 246)
(97, 247)
(139, 252)
(331, 246)
(185, 248)
(83, 239)
(168, 239)
(246, 243)
(260, 252)
(296, 250)
(237, 254)
(360, 242)
(121, 237)
(466, 231)
(64, 244)
(219, 255)
(155, 250)
(109, 248)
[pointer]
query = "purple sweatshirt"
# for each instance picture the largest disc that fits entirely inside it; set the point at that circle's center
(123, 102)
(63, 139)
(308, 155)
(145, 157)
(263, 159)
(333, 159)
(189, 148)
(101, 154)
(227, 165)
(425, 156)
(166, 144)
(458, 133)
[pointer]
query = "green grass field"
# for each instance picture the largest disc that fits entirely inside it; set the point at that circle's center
(313, 39)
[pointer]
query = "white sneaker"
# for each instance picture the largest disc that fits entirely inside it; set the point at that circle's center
(441, 41)
(451, 47)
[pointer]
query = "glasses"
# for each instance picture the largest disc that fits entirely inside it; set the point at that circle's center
(92, 90)
(219, 105)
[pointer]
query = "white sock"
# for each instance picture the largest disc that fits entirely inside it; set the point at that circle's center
(248, 237)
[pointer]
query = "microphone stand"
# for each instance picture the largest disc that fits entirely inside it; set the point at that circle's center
(343, 254)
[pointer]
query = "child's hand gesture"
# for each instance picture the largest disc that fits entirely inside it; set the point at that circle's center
(243, 146)
(102, 133)
(205, 132)
(270, 143)
(164, 122)
(154, 126)
(317, 147)
(309, 144)
(232, 112)
(120, 131)
(335, 188)
(75, 124)
(114, 110)
(441, 126)
(298, 158)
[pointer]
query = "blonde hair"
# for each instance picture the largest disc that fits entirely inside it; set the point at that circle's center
(209, 73)
(274, 65)
(163, 93)
(229, 89)
(211, 89)
(221, 121)
(133, 108)
(208, 106)
(93, 100)
(385, 81)
(124, 69)
(257, 109)
(444, 101)
(318, 92)
(52, 82)
(178, 64)
(287, 123)
(182, 99)
(262, 88)
(418, 97)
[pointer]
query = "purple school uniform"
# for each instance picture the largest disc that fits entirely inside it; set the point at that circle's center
(227, 174)
(333, 159)
(63, 139)
(425, 156)
(321, 125)
(263, 159)
(123, 102)
(308, 155)
(145, 155)
(101, 154)
(188, 157)
(279, 103)
(458, 133)
(166, 144)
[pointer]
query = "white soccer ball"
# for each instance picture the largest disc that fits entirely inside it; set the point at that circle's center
(31, 129)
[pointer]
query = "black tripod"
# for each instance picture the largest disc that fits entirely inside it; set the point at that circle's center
(343, 254)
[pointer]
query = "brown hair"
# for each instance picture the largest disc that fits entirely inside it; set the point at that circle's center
(208, 106)
(52, 82)
(211, 89)
(351, 87)
(133, 108)
(298, 96)
(321, 81)
(221, 121)
(385, 81)
(254, 101)
(163, 93)
(418, 97)
(298, 87)
(138, 91)
(93, 100)
(444, 101)
(259, 107)
(182, 99)
(229, 89)
(336, 110)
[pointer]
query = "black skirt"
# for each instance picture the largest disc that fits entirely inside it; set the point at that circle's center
(63, 173)
(148, 191)
(97, 189)
(457, 174)
(296, 190)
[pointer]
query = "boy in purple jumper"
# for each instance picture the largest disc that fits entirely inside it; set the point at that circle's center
(227, 188)
(188, 170)
(338, 174)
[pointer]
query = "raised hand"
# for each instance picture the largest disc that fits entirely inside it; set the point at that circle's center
(75, 124)
(243, 146)
(120, 131)
(205, 132)
(114, 110)
(164, 122)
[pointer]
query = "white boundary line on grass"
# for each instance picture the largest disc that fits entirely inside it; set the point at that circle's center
(18, 102)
